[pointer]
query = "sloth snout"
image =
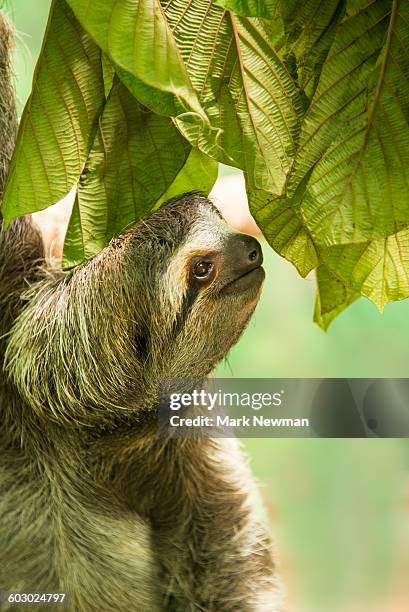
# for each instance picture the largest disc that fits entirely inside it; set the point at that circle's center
(244, 253)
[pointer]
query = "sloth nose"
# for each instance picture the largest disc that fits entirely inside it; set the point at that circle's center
(246, 253)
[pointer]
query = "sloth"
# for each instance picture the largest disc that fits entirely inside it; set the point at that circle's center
(93, 503)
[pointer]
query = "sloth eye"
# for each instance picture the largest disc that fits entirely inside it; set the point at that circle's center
(202, 269)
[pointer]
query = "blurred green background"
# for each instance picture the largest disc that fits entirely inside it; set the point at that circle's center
(337, 507)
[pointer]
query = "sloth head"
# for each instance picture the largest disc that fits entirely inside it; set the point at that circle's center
(166, 299)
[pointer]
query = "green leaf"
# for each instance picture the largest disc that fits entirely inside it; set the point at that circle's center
(59, 119)
(333, 296)
(283, 229)
(251, 8)
(310, 27)
(355, 134)
(198, 174)
(378, 269)
(108, 72)
(74, 247)
(253, 105)
(137, 38)
(135, 158)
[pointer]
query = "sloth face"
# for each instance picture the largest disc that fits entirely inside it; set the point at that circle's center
(166, 299)
(208, 279)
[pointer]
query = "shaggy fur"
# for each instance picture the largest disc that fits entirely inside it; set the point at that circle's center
(92, 501)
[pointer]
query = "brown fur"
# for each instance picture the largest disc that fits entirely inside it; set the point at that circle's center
(92, 501)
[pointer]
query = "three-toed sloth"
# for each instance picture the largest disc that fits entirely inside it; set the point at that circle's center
(92, 501)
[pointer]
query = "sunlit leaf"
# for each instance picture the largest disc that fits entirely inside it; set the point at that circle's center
(108, 72)
(355, 134)
(136, 36)
(135, 158)
(378, 269)
(253, 105)
(74, 247)
(60, 118)
(333, 296)
(198, 174)
(283, 228)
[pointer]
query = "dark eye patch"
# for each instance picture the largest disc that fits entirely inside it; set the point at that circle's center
(185, 308)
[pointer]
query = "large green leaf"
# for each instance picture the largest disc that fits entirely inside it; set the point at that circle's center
(378, 269)
(253, 105)
(309, 30)
(333, 296)
(137, 38)
(301, 31)
(283, 228)
(135, 159)
(59, 120)
(198, 174)
(74, 245)
(355, 134)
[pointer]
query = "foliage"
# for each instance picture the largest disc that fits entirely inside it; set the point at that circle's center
(135, 101)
